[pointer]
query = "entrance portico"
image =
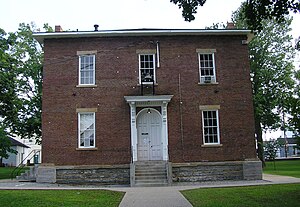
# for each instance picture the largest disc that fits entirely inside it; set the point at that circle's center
(149, 127)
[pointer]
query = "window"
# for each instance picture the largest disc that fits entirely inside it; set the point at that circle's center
(207, 68)
(87, 70)
(86, 125)
(210, 121)
(147, 68)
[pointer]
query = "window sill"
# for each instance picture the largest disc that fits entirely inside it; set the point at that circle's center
(148, 84)
(204, 84)
(211, 145)
(87, 149)
(86, 86)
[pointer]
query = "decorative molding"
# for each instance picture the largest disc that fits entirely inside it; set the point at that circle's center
(206, 50)
(80, 110)
(209, 107)
(89, 52)
(145, 51)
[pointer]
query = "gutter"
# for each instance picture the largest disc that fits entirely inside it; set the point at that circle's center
(40, 37)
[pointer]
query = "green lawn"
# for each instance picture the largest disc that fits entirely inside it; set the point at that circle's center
(287, 195)
(64, 198)
(6, 171)
(283, 167)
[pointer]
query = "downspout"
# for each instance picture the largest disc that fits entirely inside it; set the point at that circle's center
(181, 116)
(157, 53)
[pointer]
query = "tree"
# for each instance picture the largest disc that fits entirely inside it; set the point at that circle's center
(271, 147)
(271, 64)
(255, 10)
(5, 146)
(21, 82)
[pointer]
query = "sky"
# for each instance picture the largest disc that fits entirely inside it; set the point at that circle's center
(115, 14)
(118, 14)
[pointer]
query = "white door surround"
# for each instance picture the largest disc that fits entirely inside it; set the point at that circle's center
(147, 102)
(149, 139)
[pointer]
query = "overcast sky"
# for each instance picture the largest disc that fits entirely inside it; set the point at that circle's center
(114, 14)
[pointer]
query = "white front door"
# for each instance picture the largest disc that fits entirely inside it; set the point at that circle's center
(149, 135)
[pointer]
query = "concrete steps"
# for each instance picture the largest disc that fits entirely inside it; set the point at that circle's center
(150, 173)
(28, 175)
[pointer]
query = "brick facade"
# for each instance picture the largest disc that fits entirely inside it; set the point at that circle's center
(117, 76)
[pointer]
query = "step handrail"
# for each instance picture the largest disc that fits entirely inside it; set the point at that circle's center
(18, 168)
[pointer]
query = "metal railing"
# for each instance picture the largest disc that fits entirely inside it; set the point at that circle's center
(32, 155)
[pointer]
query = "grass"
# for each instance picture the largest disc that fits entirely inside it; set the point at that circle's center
(258, 196)
(6, 171)
(283, 167)
(64, 198)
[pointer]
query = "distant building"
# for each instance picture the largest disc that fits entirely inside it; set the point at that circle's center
(289, 149)
(15, 159)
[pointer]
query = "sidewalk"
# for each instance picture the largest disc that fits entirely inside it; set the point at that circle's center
(151, 196)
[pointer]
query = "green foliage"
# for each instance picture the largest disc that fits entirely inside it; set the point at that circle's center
(189, 8)
(271, 64)
(21, 82)
(271, 147)
(284, 167)
(255, 11)
(65, 198)
(5, 145)
(258, 196)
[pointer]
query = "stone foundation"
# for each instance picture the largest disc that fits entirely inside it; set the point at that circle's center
(181, 172)
(216, 171)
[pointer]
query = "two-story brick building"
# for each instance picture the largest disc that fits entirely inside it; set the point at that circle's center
(147, 106)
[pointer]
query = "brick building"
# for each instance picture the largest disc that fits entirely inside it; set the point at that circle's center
(120, 105)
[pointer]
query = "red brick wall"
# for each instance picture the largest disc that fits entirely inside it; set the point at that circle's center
(117, 76)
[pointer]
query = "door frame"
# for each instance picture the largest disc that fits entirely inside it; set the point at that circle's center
(146, 102)
(145, 112)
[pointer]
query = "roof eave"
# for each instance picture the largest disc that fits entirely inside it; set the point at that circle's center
(40, 37)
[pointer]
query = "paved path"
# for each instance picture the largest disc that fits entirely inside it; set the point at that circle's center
(153, 196)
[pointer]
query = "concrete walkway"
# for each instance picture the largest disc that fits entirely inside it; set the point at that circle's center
(152, 196)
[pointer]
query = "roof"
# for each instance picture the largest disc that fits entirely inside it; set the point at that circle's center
(40, 37)
(17, 143)
(289, 140)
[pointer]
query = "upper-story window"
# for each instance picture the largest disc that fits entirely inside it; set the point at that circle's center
(87, 69)
(207, 68)
(147, 68)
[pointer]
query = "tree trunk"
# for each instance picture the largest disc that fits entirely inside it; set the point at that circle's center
(260, 143)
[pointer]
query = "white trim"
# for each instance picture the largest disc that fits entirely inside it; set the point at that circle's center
(149, 101)
(94, 71)
(154, 68)
(218, 127)
(79, 120)
(213, 78)
(40, 37)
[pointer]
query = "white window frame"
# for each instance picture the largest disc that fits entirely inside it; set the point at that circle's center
(218, 127)
(94, 61)
(205, 79)
(154, 68)
(79, 129)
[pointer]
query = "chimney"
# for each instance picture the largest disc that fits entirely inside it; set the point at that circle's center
(96, 27)
(58, 28)
(230, 25)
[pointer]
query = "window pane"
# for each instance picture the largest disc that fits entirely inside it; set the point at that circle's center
(87, 129)
(206, 67)
(210, 127)
(87, 69)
